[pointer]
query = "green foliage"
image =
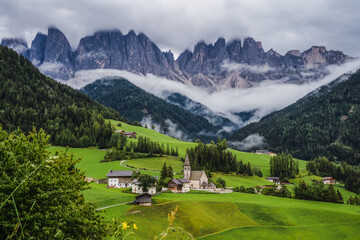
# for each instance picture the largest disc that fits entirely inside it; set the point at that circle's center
(40, 196)
(30, 99)
(342, 172)
(146, 182)
(317, 192)
(325, 123)
(135, 104)
(220, 183)
(283, 166)
(117, 141)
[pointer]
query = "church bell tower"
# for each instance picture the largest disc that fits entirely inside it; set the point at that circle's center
(187, 168)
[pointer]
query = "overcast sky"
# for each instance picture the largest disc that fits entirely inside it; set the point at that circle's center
(177, 25)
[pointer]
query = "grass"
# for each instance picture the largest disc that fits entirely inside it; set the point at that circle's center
(157, 163)
(263, 161)
(237, 181)
(90, 162)
(218, 216)
(99, 194)
(244, 216)
(155, 136)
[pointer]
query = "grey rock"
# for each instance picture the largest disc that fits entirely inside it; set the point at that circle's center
(17, 44)
(37, 49)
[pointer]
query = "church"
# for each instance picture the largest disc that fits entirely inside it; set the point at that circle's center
(198, 179)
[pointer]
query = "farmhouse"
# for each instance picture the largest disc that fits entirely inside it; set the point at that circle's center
(266, 152)
(119, 179)
(198, 179)
(328, 180)
(179, 185)
(135, 187)
(275, 180)
(143, 199)
(127, 134)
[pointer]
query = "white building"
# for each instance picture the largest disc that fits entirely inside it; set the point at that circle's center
(135, 187)
(198, 179)
(119, 179)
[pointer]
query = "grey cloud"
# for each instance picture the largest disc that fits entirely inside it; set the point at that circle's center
(264, 98)
(250, 142)
(177, 25)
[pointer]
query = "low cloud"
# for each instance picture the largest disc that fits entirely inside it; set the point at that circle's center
(171, 128)
(250, 142)
(262, 99)
(233, 66)
(147, 121)
(174, 131)
(48, 67)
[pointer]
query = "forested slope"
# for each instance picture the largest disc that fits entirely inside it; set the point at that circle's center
(135, 104)
(30, 99)
(326, 122)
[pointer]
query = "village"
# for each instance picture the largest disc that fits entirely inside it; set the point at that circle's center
(192, 180)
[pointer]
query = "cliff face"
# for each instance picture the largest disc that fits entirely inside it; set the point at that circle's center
(217, 65)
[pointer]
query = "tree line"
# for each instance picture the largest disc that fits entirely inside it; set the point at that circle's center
(143, 148)
(283, 166)
(348, 174)
(214, 157)
(317, 192)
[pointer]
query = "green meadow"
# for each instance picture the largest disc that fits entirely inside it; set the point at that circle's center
(155, 136)
(215, 216)
(242, 216)
(156, 163)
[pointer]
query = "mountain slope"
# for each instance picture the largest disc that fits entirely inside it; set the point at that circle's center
(198, 109)
(325, 122)
(30, 99)
(137, 104)
(234, 64)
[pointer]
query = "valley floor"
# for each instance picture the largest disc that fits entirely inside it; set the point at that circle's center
(215, 216)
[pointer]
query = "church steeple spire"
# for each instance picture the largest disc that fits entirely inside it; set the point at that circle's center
(187, 168)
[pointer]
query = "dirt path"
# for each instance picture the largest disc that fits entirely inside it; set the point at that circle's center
(123, 165)
(115, 205)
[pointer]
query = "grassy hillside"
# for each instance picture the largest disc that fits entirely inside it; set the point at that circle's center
(228, 216)
(156, 163)
(155, 136)
(324, 123)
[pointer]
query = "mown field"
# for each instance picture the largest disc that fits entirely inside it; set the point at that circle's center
(242, 216)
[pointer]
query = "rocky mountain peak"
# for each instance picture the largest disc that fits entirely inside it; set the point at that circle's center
(17, 44)
(37, 50)
(295, 53)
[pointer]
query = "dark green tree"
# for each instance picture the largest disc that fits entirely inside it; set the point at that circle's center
(41, 195)
(147, 181)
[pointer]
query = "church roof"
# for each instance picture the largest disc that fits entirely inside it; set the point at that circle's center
(187, 161)
(196, 175)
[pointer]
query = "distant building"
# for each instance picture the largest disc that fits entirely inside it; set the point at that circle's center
(328, 180)
(143, 199)
(266, 152)
(275, 180)
(262, 152)
(179, 185)
(135, 187)
(127, 134)
(119, 179)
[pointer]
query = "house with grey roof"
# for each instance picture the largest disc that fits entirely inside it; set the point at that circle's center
(179, 185)
(143, 199)
(119, 179)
